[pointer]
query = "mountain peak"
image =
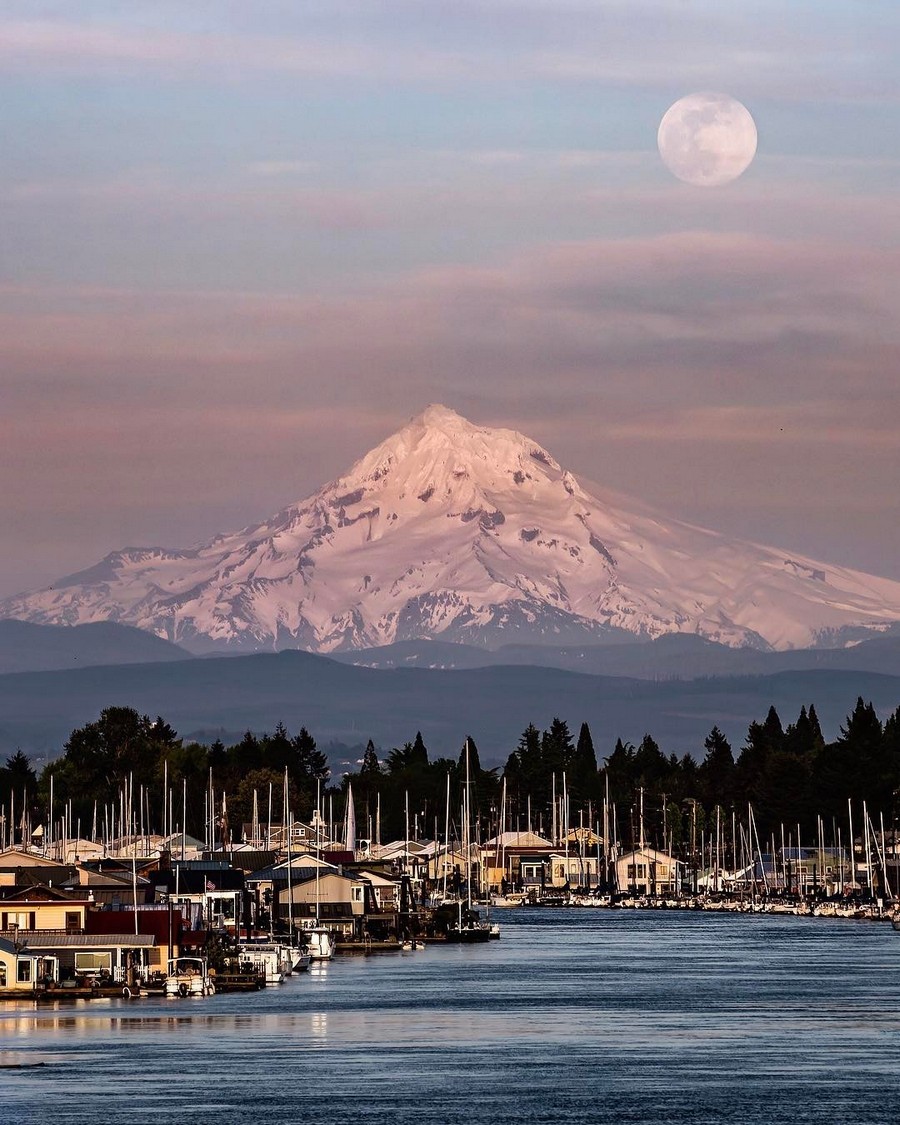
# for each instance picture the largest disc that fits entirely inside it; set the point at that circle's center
(441, 453)
(439, 417)
(468, 533)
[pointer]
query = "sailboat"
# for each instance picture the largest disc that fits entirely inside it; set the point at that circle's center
(318, 939)
(467, 929)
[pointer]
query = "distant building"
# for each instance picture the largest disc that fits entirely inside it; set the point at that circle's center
(646, 871)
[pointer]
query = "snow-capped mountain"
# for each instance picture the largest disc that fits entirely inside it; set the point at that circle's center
(466, 533)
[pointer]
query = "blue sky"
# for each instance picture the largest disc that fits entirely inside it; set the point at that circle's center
(241, 243)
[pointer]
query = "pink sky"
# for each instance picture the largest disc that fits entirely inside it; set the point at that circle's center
(237, 249)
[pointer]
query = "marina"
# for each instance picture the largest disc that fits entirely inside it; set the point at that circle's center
(574, 1017)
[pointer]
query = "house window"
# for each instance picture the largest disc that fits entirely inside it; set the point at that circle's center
(24, 974)
(91, 962)
(21, 920)
(73, 921)
(2, 975)
(357, 894)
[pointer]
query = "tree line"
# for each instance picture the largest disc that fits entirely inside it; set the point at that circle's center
(789, 774)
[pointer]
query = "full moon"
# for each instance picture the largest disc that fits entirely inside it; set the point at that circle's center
(707, 139)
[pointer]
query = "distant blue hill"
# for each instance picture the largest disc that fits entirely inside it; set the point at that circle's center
(347, 704)
(682, 656)
(25, 647)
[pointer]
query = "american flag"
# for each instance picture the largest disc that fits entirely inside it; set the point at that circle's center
(210, 885)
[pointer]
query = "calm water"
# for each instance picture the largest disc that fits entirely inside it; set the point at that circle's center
(574, 1016)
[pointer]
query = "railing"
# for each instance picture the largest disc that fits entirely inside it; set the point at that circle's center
(14, 931)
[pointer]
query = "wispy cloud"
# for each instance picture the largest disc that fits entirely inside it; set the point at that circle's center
(656, 45)
(718, 314)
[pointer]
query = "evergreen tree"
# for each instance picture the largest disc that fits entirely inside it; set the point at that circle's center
(524, 768)
(370, 764)
(717, 772)
(19, 776)
(245, 756)
(310, 764)
(469, 755)
(650, 765)
(619, 772)
(762, 740)
(276, 752)
(804, 738)
(816, 730)
(218, 759)
(419, 758)
(582, 775)
(164, 734)
(855, 766)
(556, 749)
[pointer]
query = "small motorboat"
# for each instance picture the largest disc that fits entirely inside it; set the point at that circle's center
(300, 958)
(189, 976)
(319, 941)
(469, 933)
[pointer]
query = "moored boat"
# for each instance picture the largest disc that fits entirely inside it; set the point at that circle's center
(319, 941)
(469, 933)
(269, 956)
(189, 976)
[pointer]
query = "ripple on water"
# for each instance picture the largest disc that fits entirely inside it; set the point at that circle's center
(574, 1017)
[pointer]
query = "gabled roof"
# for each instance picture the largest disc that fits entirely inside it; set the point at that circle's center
(114, 879)
(41, 893)
(401, 847)
(518, 840)
(376, 880)
(42, 876)
(301, 867)
(647, 853)
(15, 858)
(251, 860)
(329, 878)
(174, 842)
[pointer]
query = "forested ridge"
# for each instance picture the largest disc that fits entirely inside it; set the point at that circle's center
(789, 774)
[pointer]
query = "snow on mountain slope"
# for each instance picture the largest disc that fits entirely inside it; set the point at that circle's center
(471, 534)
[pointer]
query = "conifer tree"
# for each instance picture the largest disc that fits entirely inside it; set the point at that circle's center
(371, 767)
(582, 774)
(717, 772)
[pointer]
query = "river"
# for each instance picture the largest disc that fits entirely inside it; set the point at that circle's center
(576, 1016)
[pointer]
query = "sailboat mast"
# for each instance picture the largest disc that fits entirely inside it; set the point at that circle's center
(318, 842)
(286, 820)
(446, 834)
(468, 846)
(852, 843)
(503, 831)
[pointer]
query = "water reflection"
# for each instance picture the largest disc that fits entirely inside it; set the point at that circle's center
(573, 1017)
